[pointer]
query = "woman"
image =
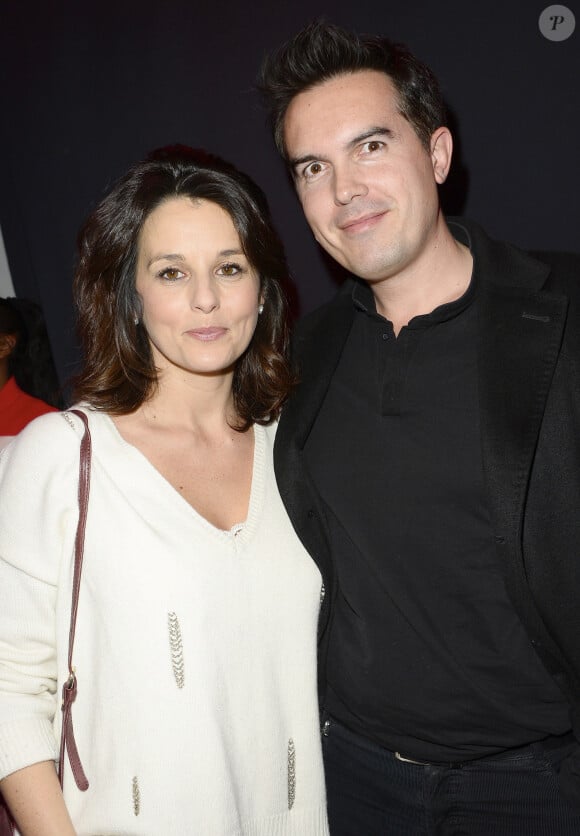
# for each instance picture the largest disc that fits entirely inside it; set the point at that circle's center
(195, 642)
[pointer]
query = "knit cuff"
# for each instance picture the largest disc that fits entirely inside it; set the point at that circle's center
(26, 741)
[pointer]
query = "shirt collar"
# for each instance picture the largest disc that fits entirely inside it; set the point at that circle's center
(364, 300)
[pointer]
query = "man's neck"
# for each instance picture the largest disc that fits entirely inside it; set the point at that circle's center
(440, 276)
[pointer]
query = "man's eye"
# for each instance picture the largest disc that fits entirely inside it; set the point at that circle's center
(171, 274)
(312, 170)
(372, 145)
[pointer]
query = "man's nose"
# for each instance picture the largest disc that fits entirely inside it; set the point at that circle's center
(348, 184)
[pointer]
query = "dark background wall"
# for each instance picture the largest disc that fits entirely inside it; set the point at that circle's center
(89, 88)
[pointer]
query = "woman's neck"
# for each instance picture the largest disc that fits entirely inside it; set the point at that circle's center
(203, 405)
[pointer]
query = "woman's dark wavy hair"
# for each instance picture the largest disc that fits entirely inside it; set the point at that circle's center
(119, 373)
(30, 362)
(322, 51)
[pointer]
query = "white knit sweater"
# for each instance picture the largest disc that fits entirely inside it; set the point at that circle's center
(195, 650)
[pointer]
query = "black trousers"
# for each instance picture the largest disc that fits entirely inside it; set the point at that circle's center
(372, 793)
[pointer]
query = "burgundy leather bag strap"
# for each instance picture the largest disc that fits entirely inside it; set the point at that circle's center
(69, 689)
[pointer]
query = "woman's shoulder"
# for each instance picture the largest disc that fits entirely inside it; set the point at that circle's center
(45, 442)
(38, 494)
(40, 429)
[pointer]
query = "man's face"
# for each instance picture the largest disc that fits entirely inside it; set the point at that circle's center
(367, 185)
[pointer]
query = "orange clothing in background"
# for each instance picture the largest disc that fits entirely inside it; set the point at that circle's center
(17, 408)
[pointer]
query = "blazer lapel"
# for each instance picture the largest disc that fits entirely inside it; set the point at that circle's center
(520, 333)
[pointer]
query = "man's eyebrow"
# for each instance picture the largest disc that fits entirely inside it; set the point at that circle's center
(375, 131)
(294, 162)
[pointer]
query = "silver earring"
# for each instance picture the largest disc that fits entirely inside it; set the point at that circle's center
(136, 320)
(260, 309)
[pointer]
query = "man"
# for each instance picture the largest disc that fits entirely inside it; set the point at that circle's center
(430, 461)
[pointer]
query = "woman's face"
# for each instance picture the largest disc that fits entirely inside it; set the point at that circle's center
(199, 293)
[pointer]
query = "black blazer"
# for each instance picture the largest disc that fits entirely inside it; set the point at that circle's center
(529, 392)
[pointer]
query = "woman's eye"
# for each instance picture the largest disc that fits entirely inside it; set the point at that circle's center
(171, 274)
(229, 269)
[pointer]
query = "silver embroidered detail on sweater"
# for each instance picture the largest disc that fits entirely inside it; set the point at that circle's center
(68, 419)
(176, 647)
(291, 774)
(136, 796)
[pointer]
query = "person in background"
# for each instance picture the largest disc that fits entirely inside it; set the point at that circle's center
(27, 378)
(196, 634)
(430, 461)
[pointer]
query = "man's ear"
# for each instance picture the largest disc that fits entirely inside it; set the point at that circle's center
(7, 344)
(441, 152)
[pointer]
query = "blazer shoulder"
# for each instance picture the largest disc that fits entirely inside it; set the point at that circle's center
(564, 270)
(505, 265)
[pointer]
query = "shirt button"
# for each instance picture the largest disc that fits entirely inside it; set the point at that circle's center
(385, 336)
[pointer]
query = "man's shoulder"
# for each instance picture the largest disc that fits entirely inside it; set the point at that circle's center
(564, 267)
(505, 264)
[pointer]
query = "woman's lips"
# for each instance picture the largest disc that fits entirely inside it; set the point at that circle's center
(207, 334)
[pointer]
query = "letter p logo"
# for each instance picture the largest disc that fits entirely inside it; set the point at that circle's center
(557, 23)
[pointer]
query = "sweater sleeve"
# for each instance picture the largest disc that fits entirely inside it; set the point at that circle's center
(38, 479)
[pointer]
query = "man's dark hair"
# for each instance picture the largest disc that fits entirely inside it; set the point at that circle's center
(323, 51)
(119, 373)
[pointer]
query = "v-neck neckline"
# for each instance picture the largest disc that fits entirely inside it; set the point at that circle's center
(243, 530)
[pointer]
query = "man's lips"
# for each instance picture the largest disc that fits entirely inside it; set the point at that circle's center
(207, 334)
(361, 223)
